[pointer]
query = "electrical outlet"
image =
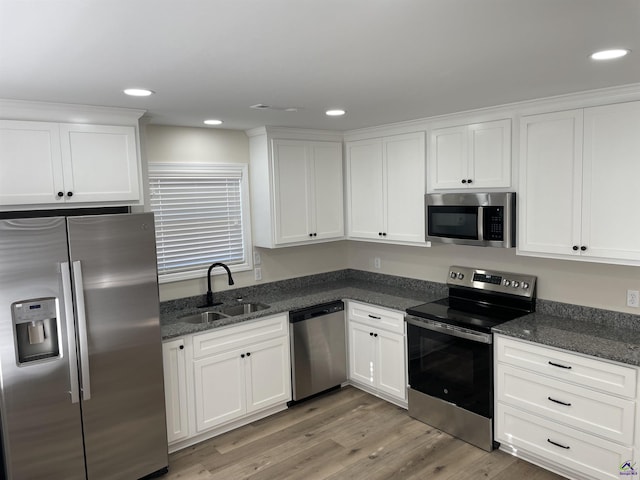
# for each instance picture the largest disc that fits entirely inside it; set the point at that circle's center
(376, 262)
(257, 259)
(633, 298)
(257, 274)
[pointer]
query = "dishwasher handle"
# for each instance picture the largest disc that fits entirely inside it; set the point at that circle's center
(315, 311)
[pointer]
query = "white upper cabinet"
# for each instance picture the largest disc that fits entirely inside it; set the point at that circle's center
(99, 162)
(471, 156)
(296, 190)
(52, 164)
(30, 163)
(578, 196)
(385, 189)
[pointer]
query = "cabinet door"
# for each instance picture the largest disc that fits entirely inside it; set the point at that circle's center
(220, 389)
(361, 354)
(550, 183)
(268, 374)
(292, 191)
(100, 163)
(327, 188)
(611, 195)
(175, 389)
(404, 167)
(490, 154)
(30, 163)
(365, 189)
(448, 159)
(390, 364)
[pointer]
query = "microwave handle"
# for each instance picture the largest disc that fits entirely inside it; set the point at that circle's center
(480, 223)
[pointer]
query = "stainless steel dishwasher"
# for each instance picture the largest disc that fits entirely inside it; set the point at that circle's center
(318, 349)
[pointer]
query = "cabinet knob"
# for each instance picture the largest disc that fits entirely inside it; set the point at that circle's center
(583, 248)
(69, 194)
(311, 234)
(248, 354)
(375, 334)
(242, 355)
(575, 248)
(60, 194)
(380, 233)
(181, 347)
(315, 234)
(464, 181)
(384, 234)
(469, 180)
(371, 334)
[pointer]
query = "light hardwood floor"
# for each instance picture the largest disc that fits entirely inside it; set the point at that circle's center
(346, 434)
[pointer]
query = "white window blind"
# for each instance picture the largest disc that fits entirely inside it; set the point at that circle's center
(199, 217)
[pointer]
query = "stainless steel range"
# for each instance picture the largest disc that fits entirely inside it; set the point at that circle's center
(450, 350)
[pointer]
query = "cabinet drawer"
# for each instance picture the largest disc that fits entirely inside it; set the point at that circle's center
(234, 336)
(570, 449)
(377, 317)
(569, 367)
(594, 412)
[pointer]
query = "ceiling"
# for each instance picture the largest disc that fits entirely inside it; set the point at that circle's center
(383, 61)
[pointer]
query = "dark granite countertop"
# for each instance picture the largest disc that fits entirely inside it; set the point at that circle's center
(600, 333)
(397, 293)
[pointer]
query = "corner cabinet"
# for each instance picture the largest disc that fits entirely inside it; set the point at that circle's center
(573, 414)
(377, 360)
(471, 156)
(296, 190)
(578, 193)
(385, 189)
(53, 165)
(234, 375)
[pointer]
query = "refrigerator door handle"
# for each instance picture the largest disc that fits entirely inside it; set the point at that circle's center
(71, 332)
(82, 330)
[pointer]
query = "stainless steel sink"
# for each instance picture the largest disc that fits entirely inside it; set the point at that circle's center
(242, 308)
(204, 317)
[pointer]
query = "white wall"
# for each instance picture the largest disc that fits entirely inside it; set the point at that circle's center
(591, 284)
(581, 283)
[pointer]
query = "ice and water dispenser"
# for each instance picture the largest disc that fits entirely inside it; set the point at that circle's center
(36, 329)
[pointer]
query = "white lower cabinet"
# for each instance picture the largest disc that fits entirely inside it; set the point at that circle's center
(377, 359)
(175, 389)
(570, 413)
(234, 375)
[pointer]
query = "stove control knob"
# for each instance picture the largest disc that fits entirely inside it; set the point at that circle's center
(460, 276)
(516, 284)
(507, 283)
(453, 275)
(525, 285)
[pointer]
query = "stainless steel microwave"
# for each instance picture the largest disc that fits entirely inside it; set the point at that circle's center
(482, 219)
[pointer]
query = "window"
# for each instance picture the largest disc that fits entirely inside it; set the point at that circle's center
(201, 216)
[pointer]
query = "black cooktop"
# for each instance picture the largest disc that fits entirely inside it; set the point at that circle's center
(474, 316)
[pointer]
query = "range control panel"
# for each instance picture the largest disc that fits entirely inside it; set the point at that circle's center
(504, 282)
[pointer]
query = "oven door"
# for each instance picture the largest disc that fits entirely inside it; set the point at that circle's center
(452, 364)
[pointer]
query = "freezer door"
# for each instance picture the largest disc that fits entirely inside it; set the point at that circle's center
(41, 426)
(115, 284)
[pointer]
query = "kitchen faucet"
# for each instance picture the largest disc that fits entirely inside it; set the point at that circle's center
(209, 292)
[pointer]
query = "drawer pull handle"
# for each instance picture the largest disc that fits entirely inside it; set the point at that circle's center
(374, 317)
(557, 444)
(559, 366)
(558, 401)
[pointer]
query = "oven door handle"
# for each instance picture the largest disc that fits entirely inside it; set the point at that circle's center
(452, 330)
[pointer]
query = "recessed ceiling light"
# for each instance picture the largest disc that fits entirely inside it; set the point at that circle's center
(138, 92)
(609, 54)
(335, 112)
(213, 122)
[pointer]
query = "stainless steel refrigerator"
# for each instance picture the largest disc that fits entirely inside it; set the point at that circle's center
(80, 348)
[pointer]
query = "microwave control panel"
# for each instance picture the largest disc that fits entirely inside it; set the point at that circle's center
(493, 219)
